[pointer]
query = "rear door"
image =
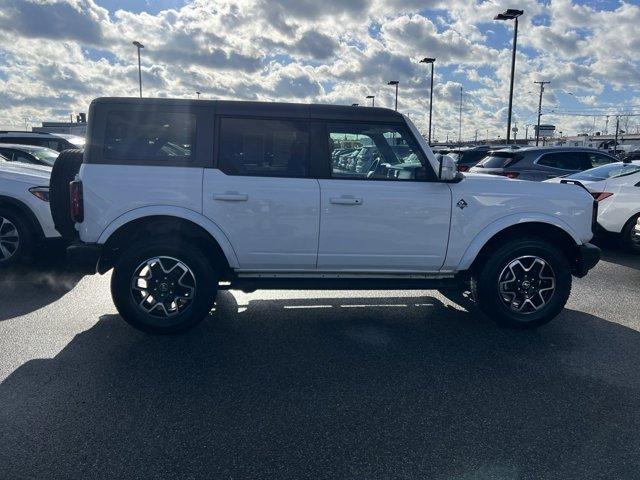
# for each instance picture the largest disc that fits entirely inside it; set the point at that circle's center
(558, 164)
(261, 194)
(390, 218)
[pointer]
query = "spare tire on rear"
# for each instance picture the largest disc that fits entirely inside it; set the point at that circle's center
(65, 168)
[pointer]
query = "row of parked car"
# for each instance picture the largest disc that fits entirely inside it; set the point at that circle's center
(26, 159)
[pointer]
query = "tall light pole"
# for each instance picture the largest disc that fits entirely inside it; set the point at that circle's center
(198, 94)
(373, 100)
(460, 120)
(542, 84)
(139, 46)
(431, 61)
(511, 14)
(395, 82)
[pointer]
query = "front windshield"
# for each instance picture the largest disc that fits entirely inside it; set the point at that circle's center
(45, 155)
(604, 172)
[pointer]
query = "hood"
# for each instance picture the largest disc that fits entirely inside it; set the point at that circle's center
(39, 174)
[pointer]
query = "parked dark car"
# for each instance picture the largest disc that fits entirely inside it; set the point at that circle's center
(28, 154)
(468, 157)
(538, 164)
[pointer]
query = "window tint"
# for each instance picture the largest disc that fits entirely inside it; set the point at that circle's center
(152, 136)
(264, 148)
(565, 161)
(381, 152)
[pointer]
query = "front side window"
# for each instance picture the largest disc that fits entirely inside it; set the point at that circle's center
(162, 137)
(264, 148)
(378, 152)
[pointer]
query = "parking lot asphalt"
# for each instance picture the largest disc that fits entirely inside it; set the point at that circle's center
(335, 385)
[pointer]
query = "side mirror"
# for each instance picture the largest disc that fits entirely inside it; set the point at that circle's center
(447, 170)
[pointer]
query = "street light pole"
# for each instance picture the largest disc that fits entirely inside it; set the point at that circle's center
(542, 84)
(395, 82)
(373, 100)
(460, 120)
(432, 62)
(511, 14)
(198, 94)
(139, 46)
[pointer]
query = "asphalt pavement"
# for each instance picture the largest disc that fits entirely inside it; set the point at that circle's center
(320, 385)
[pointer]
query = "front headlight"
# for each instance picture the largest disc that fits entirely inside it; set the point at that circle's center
(41, 192)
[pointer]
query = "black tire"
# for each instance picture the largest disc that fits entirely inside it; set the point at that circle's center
(626, 236)
(12, 253)
(128, 300)
(493, 303)
(65, 168)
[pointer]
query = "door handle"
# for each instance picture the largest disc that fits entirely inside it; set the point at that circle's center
(346, 200)
(231, 197)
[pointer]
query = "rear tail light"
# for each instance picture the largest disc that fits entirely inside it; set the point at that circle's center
(463, 168)
(76, 201)
(599, 196)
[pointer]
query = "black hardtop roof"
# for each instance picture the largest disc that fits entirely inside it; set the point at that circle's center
(268, 109)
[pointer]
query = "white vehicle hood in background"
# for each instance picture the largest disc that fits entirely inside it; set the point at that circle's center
(37, 174)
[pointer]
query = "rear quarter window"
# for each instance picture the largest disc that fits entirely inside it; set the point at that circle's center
(153, 136)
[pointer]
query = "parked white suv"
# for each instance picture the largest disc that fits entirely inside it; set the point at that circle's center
(183, 198)
(25, 219)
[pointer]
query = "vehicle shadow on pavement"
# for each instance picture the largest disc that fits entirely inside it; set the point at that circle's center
(370, 387)
(27, 288)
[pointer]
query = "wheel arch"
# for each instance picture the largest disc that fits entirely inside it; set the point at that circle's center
(142, 223)
(26, 212)
(490, 238)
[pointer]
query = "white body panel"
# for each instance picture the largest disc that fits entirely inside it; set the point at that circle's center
(15, 181)
(111, 191)
(383, 225)
(495, 203)
(272, 223)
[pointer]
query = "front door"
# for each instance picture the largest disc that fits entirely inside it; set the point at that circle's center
(260, 194)
(390, 216)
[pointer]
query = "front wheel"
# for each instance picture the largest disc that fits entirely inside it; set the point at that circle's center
(163, 287)
(523, 284)
(628, 240)
(16, 239)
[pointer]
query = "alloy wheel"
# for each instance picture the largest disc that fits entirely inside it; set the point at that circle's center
(527, 284)
(163, 286)
(9, 239)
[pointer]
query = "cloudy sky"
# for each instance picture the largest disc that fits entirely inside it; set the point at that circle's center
(56, 55)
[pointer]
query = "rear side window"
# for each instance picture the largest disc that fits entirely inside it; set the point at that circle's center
(264, 148)
(156, 137)
(499, 160)
(565, 161)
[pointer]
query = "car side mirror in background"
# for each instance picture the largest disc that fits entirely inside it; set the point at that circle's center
(447, 168)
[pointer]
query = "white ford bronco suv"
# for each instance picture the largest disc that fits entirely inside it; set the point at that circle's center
(183, 198)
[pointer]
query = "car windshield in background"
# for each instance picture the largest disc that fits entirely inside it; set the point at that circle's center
(605, 172)
(499, 160)
(45, 155)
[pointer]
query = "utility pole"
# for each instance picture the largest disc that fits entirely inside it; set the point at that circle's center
(615, 142)
(542, 84)
(606, 126)
(460, 120)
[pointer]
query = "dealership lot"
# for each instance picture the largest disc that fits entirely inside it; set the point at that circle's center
(330, 384)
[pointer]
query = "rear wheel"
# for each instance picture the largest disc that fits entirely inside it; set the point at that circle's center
(16, 238)
(524, 284)
(628, 240)
(163, 287)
